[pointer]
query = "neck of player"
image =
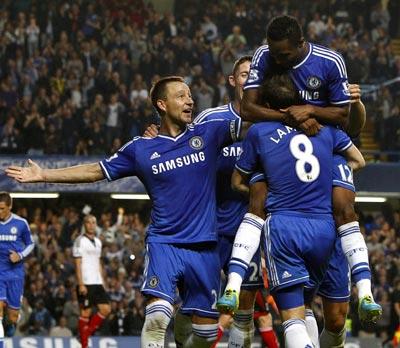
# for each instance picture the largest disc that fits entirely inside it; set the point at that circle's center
(171, 127)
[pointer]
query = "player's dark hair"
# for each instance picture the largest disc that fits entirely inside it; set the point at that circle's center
(279, 92)
(285, 27)
(6, 198)
(159, 89)
(239, 62)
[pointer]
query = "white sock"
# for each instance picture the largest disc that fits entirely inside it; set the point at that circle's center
(364, 288)
(234, 282)
(158, 316)
(242, 331)
(355, 249)
(1, 333)
(312, 327)
(202, 336)
(296, 335)
(330, 339)
(182, 328)
(247, 241)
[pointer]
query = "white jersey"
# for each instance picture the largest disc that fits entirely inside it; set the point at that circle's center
(90, 252)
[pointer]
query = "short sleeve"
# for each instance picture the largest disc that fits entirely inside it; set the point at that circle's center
(225, 131)
(257, 177)
(248, 161)
(338, 84)
(77, 249)
(341, 141)
(121, 164)
(258, 68)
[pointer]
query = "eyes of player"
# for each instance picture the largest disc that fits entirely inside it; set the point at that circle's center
(244, 75)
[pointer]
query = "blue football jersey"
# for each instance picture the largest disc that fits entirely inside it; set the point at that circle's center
(321, 77)
(14, 235)
(231, 206)
(180, 177)
(297, 168)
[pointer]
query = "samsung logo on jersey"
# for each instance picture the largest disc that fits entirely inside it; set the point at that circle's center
(233, 151)
(7, 238)
(178, 162)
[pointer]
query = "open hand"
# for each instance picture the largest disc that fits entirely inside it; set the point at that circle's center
(151, 131)
(32, 173)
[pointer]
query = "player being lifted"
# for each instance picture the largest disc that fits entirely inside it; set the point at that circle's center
(178, 169)
(299, 230)
(16, 243)
(320, 76)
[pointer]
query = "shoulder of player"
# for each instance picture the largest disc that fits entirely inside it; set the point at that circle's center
(20, 219)
(259, 53)
(331, 57)
(211, 113)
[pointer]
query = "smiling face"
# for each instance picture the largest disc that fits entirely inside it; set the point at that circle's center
(177, 105)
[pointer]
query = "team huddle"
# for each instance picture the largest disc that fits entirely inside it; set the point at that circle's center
(269, 174)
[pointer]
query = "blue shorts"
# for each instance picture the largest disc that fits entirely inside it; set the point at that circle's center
(196, 272)
(336, 285)
(11, 292)
(297, 249)
(342, 173)
(253, 278)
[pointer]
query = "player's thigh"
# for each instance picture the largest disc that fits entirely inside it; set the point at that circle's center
(164, 267)
(335, 286)
(14, 293)
(201, 282)
(264, 320)
(201, 320)
(297, 249)
(343, 195)
(101, 299)
(335, 314)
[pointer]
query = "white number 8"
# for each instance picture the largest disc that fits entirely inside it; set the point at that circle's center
(304, 156)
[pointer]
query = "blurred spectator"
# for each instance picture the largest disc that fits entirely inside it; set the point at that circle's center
(61, 330)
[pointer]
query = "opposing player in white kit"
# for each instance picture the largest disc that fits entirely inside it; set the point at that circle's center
(90, 288)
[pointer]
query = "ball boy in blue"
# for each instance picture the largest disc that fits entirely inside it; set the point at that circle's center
(15, 244)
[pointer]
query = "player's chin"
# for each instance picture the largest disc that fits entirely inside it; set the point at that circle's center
(186, 117)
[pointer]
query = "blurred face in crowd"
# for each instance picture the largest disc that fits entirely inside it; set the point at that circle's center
(178, 104)
(239, 78)
(5, 211)
(286, 53)
(90, 224)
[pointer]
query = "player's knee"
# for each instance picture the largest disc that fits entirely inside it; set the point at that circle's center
(335, 323)
(158, 316)
(12, 317)
(265, 321)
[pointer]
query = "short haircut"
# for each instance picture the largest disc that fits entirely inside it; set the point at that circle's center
(6, 198)
(279, 92)
(239, 62)
(159, 89)
(87, 217)
(285, 27)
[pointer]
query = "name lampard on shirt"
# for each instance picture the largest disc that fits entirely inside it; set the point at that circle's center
(178, 162)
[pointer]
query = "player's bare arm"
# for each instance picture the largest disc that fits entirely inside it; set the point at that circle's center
(78, 270)
(240, 182)
(358, 115)
(258, 194)
(84, 173)
(354, 158)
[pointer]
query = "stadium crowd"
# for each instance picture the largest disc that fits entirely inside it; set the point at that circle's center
(50, 305)
(74, 75)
